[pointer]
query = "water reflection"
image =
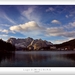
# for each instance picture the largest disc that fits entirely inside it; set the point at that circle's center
(6, 56)
(38, 59)
(69, 56)
(31, 59)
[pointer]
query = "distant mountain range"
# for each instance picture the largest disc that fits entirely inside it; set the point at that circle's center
(39, 44)
(29, 43)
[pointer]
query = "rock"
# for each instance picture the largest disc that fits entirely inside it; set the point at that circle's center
(39, 44)
(20, 42)
(30, 48)
(11, 40)
(29, 43)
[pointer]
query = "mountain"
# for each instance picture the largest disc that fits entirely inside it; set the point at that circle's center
(69, 45)
(29, 43)
(20, 42)
(38, 44)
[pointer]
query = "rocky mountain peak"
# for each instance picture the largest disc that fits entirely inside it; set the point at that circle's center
(29, 42)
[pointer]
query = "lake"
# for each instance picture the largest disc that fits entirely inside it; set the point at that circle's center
(38, 59)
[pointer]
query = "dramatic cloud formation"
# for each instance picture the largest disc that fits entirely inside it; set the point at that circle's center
(29, 26)
(33, 28)
(48, 22)
(55, 22)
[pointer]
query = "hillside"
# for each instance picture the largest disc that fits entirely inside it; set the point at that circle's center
(5, 46)
(69, 45)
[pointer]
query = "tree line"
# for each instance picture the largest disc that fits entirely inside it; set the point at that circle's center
(5, 46)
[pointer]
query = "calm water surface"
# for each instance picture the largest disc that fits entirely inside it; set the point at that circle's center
(38, 59)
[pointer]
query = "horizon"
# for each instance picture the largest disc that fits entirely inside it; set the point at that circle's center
(54, 23)
(36, 39)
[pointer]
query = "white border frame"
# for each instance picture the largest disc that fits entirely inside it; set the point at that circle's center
(37, 70)
(37, 2)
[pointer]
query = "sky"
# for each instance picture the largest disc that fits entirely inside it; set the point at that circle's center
(54, 23)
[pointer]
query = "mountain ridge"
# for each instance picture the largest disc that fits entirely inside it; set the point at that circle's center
(39, 44)
(29, 43)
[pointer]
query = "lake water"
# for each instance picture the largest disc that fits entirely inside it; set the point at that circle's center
(38, 59)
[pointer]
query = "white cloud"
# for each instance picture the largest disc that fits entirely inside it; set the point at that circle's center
(70, 25)
(27, 27)
(70, 34)
(55, 31)
(59, 31)
(50, 9)
(5, 31)
(55, 22)
(33, 29)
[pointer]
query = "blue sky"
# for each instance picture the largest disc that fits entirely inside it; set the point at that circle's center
(55, 23)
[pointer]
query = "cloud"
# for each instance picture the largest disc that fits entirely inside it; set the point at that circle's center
(27, 27)
(69, 34)
(4, 36)
(4, 16)
(9, 19)
(6, 25)
(55, 31)
(67, 16)
(27, 13)
(32, 28)
(30, 13)
(5, 31)
(55, 22)
(50, 9)
(70, 25)
(59, 31)
(70, 15)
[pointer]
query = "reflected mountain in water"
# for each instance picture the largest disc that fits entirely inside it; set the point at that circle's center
(31, 59)
(38, 59)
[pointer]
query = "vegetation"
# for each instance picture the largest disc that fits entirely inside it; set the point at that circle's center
(69, 45)
(5, 46)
